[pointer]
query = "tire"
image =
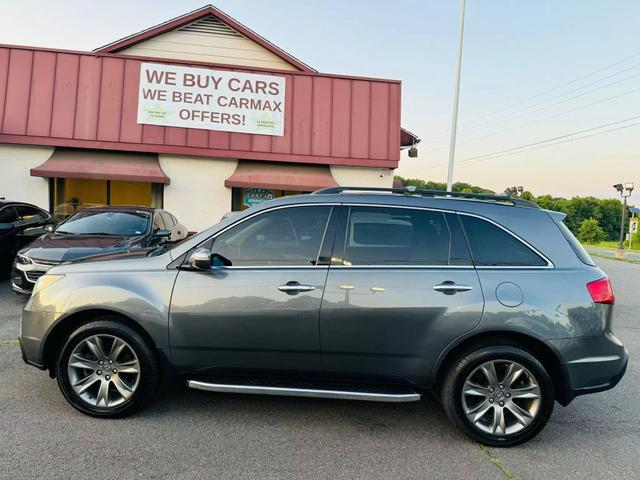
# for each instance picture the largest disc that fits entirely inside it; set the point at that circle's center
(512, 414)
(109, 393)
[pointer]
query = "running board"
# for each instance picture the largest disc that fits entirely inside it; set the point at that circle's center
(404, 396)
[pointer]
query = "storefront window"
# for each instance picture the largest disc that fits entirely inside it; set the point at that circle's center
(244, 198)
(73, 194)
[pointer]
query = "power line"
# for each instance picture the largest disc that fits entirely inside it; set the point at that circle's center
(550, 117)
(559, 114)
(557, 87)
(553, 144)
(520, 113)
(557, 138)
(545, 143)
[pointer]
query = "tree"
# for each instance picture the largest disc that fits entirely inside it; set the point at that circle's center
(591, 232)
(606, 212)
(429, 185)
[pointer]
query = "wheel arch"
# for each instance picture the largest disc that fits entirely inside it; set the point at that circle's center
(64, 327)
(538, 348)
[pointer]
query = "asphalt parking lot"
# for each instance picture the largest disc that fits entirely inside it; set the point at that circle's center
(188, 434)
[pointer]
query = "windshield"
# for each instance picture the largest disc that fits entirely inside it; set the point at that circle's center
(117, 224)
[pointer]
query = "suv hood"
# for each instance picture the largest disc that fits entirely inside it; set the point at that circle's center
(55, 247)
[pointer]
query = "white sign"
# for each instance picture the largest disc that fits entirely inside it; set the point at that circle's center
(176, 96)
(633, 225)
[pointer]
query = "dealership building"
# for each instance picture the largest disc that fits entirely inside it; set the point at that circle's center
(198, 115)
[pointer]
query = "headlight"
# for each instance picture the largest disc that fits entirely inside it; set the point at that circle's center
(44, 281)
(24, 260)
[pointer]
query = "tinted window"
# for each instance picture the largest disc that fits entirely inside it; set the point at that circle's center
(122, 224)
(168, 221)
(8, 215)
(576, 245)
(397, 236)
(26, 212)
(288, 236)
(492, 246)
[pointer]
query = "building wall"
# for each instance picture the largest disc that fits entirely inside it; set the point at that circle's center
(16, 183)
(197, 195)
(205, 47)
(76, 100)
(362, 176)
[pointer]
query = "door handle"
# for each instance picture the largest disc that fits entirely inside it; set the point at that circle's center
(295, 287)
(450, 288)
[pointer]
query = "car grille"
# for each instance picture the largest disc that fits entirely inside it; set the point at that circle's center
(34, 275)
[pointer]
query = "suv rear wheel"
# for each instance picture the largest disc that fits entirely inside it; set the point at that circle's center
(106, 369)
(498, 395)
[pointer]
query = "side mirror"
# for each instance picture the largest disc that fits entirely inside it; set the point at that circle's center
(200, 259)
(162, 233)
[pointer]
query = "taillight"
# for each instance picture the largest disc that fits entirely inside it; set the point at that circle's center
(601, 291)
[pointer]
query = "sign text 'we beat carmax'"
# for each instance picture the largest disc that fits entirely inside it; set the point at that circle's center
(189, 97)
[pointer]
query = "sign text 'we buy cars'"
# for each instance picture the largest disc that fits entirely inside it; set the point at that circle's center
(189, 97)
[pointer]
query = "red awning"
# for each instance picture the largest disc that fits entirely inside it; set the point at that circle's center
(280, 176)
(102, 166)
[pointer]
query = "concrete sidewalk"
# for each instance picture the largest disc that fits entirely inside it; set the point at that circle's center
(611, 253)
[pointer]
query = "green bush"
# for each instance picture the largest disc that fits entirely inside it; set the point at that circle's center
(591, 232)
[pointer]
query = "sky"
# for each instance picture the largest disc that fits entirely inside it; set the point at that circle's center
(533, 70)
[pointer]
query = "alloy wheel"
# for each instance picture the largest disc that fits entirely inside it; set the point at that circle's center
(104, 371)
(501, 397)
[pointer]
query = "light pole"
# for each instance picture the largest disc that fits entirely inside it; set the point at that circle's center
(625, 190)
(456, 96)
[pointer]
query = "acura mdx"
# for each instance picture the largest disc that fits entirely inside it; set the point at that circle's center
(488, 302)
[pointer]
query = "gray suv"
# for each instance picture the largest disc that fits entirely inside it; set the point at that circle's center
(488, 302)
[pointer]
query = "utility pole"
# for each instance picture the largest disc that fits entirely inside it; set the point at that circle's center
(456, 96)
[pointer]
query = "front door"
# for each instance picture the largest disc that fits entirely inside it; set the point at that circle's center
(262, 312)
(401, 286)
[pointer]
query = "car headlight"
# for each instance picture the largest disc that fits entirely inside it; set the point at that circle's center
(44, 281)
(24, 260)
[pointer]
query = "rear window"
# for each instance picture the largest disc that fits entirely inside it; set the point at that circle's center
(576, 245)
(491, 246)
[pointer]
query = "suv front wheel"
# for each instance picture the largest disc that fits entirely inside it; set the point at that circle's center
(106, 369)
(498, 395)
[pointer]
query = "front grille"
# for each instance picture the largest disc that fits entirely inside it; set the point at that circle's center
(34, 275)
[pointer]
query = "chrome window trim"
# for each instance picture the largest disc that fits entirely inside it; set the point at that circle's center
(269, 267)
(549, 265)
(406, 267)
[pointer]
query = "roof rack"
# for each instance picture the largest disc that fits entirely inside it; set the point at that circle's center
(413, 191)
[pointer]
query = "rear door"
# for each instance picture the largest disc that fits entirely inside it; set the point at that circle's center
(401, 286)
